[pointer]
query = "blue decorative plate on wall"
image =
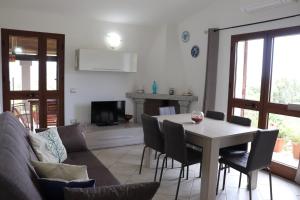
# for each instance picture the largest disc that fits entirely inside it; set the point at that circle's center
(185, 36)
(195, 51)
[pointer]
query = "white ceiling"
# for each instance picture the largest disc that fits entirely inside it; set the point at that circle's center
(120, 11)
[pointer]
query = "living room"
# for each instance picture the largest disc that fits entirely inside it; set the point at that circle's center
(184, 54)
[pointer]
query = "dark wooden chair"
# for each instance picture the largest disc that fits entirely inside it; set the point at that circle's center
(153, 138)
(175, 148)
(215, 115)
(260, 157)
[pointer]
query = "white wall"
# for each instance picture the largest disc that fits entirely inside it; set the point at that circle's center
(223, 14)
(81, 33)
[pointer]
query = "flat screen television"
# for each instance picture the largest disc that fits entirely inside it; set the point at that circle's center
(107, 112)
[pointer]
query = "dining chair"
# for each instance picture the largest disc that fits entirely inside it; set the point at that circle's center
(215, 115)
(260, 157)
(241, 148)
(153, 138)
(175, 148)
(168, 110)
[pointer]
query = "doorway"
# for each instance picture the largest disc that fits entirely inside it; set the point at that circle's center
(264, 86)
(33, 77)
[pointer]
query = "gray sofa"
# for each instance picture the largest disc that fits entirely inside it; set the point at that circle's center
(17, 179)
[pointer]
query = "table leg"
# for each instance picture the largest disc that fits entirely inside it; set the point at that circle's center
(209, 170)
(254, 179)
(147, 159)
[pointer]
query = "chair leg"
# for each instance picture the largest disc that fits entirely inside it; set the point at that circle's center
(270, 178)
(224, 178)
(179, 179)
(166, 162)
(187, 172)
(155, 155)
(142, 159)
(249, 187)
(172, 163)
(183, 173)
(218, 180)
(240, 179)
(200, 171)
(162, 168)
(157, 163)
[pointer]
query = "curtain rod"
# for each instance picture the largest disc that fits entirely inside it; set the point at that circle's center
(261, 22)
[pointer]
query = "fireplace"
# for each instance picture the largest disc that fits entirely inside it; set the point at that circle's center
(150, 103)
(151, 106)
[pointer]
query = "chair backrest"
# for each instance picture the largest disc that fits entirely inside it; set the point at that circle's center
(241, 120)
(262, 149)
(169, 110)
(152, 135)
(215, 115)
(175, 146)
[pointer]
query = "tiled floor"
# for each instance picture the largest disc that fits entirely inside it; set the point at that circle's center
(124, 162)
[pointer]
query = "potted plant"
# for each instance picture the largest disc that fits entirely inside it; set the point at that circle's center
(295, 138)
(280, 142)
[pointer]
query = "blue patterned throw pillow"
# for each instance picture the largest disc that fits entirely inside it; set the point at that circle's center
(48, 146)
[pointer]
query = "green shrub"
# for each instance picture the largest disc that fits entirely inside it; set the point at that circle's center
(295, 138)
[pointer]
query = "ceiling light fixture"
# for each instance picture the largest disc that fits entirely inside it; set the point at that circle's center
(259, 5)
(113, 40)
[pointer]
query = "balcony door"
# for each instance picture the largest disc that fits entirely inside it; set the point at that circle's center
(264, 86)
(33, 77)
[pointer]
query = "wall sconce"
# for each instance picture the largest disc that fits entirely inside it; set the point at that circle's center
(113, 40)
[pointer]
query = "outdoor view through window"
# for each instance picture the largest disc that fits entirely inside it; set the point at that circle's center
(285, 89)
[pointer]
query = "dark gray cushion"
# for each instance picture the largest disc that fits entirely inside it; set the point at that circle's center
(72, 137)
(138, 191)
(17, 181)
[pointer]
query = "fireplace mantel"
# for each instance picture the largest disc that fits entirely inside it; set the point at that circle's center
(184, 102)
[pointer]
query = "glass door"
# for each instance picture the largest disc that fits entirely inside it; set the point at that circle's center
(33, 70)
(264, 86)
(246, 77)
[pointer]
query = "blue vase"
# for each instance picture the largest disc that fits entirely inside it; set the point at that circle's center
(154, 87)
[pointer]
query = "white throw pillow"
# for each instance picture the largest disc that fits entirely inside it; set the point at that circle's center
(60, 171)
(48, 146)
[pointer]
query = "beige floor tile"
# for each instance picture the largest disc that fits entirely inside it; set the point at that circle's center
(124, 163)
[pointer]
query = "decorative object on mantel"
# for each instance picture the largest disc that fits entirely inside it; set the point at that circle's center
(189, 92)
(195, 51)
(185, 36)
(127, 118)
(154, 87)
(171, 91)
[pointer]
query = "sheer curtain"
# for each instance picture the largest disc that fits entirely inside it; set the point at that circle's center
(211, 70)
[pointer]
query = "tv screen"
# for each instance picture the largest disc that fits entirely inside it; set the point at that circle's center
(107, 112)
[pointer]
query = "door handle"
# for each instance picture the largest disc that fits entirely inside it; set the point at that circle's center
(252, 105)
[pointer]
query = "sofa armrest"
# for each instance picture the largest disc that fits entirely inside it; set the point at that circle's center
(137, 191)
(72, 137)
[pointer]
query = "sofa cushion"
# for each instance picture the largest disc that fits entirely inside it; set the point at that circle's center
(48, 146)
(138, 191)
(72, 137)
(60, 171)
(17, 180)
(54, 189)
(96, 170)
